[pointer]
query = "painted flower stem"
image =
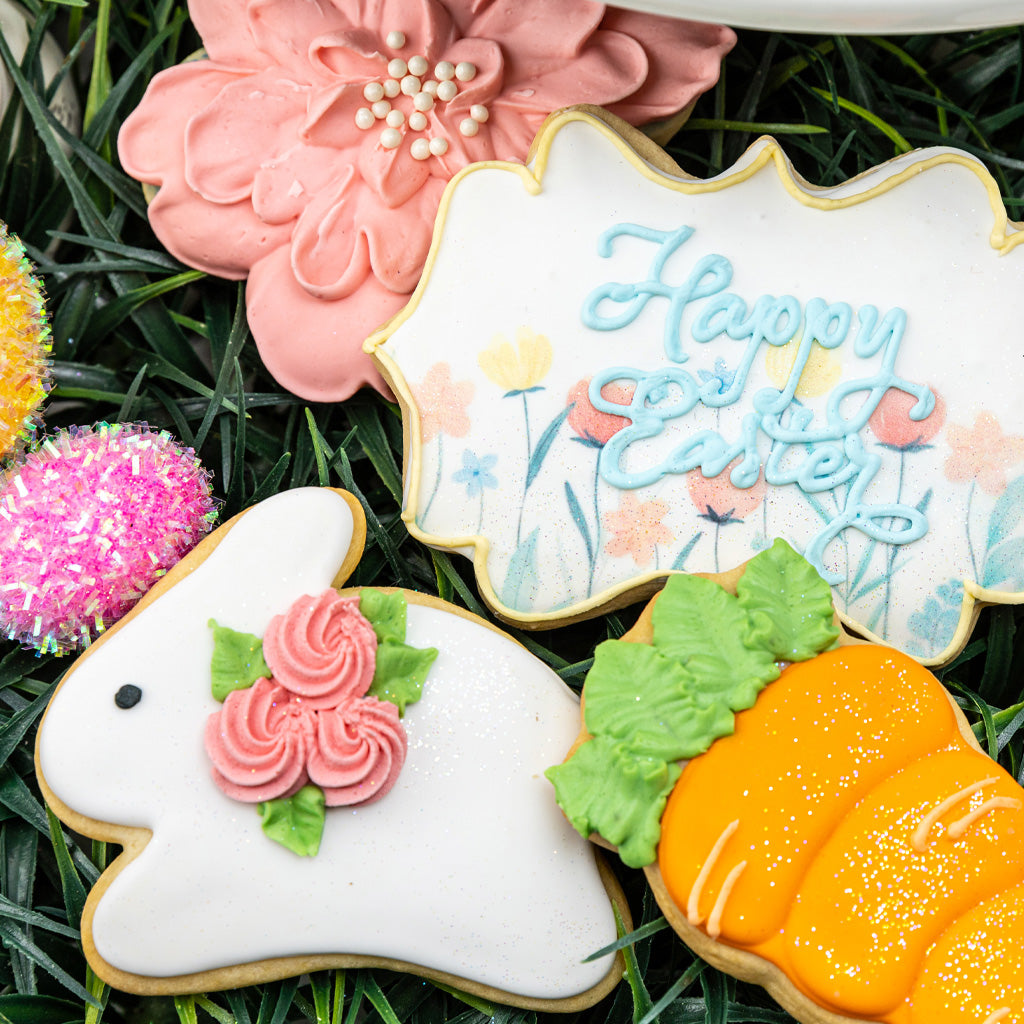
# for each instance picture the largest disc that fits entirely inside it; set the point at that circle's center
(597, 526)
(437, 481)
(967, 528)
(890, 559)
(529, 456)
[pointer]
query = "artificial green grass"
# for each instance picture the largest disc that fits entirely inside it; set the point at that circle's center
(139, 337)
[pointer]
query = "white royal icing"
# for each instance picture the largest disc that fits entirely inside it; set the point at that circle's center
(466, 866)
(585, 256)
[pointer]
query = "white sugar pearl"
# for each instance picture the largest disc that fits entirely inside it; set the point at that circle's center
(391, 138)
(397, 67)
(423, 101)
(430, 87)
(479, 113)
(381, 109)
(469, 127)
(365, 118)
(444, 70)
(410, 85)
(392, 88)
(417, 121)
(395, 39)
(420, 149)
(438, 147)
(395, 119)
(418, 65)
(447, 91)
(373, 91)
(464, 71)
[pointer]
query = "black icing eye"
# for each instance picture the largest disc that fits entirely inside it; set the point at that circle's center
(128, 696)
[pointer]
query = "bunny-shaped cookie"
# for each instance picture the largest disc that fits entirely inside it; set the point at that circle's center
(464, 871)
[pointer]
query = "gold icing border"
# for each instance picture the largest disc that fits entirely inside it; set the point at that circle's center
(656, 166)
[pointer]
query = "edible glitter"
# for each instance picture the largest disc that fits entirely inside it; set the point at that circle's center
(24, 346)
(89, 520)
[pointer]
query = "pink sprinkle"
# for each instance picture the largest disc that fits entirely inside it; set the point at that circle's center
(94, 517)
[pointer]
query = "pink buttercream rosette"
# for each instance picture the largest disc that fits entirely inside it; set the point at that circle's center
(312, 721)
(274, 163)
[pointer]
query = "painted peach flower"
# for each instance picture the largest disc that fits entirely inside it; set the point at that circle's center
(322, 649)
(442, 403)
(636, 528)
(892, 425)
(716, 497)
(982, 453)
(309, 151)
(593, 427)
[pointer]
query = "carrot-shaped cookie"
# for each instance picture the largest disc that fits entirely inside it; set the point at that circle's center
(814, 817)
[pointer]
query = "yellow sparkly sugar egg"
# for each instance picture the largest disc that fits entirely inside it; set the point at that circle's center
(24, 345)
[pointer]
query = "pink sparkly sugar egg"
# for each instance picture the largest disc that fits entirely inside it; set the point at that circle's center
(89, 520)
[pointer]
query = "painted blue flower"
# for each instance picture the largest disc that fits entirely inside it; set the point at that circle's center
(722, 374)
(937, 620)
(476, 473)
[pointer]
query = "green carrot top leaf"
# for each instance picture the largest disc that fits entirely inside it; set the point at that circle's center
(648, 707)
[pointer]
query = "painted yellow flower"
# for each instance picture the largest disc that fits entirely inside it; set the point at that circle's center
(821, 372)
(519, 368)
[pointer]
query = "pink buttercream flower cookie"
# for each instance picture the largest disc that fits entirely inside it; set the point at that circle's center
(309, 152)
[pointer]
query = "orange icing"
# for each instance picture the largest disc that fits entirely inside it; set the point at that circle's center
(974, 971)
(845, 779)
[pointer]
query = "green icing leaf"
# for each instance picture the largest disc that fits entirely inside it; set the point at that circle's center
(705, 628)
(296, 821)
(607, 789)
(237, 661)
(385, 612)
(646, 701)
(788, 603)
(400, 672)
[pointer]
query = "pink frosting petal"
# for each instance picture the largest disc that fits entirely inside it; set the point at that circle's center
(224, 29)
(557, 30)
(330, 254)
(360, 750)
(218, 239)
(322, 649)
(607, 70)
(150, 141)
(354, 56)
(427, 25)
(671, 44)
(283, 187)
(392, 174)
(251, 120)
(282, 29)
(400, 239)
(322, 360)
(258, 743)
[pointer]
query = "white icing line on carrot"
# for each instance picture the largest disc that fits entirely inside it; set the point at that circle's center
(961, 825)
(714, 925)
(692, 911)
(1001, 1014)
(919, 838)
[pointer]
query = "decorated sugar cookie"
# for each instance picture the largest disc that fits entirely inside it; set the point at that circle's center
(303, 778)
(816, 818)
(650, 373)
(309, 151)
